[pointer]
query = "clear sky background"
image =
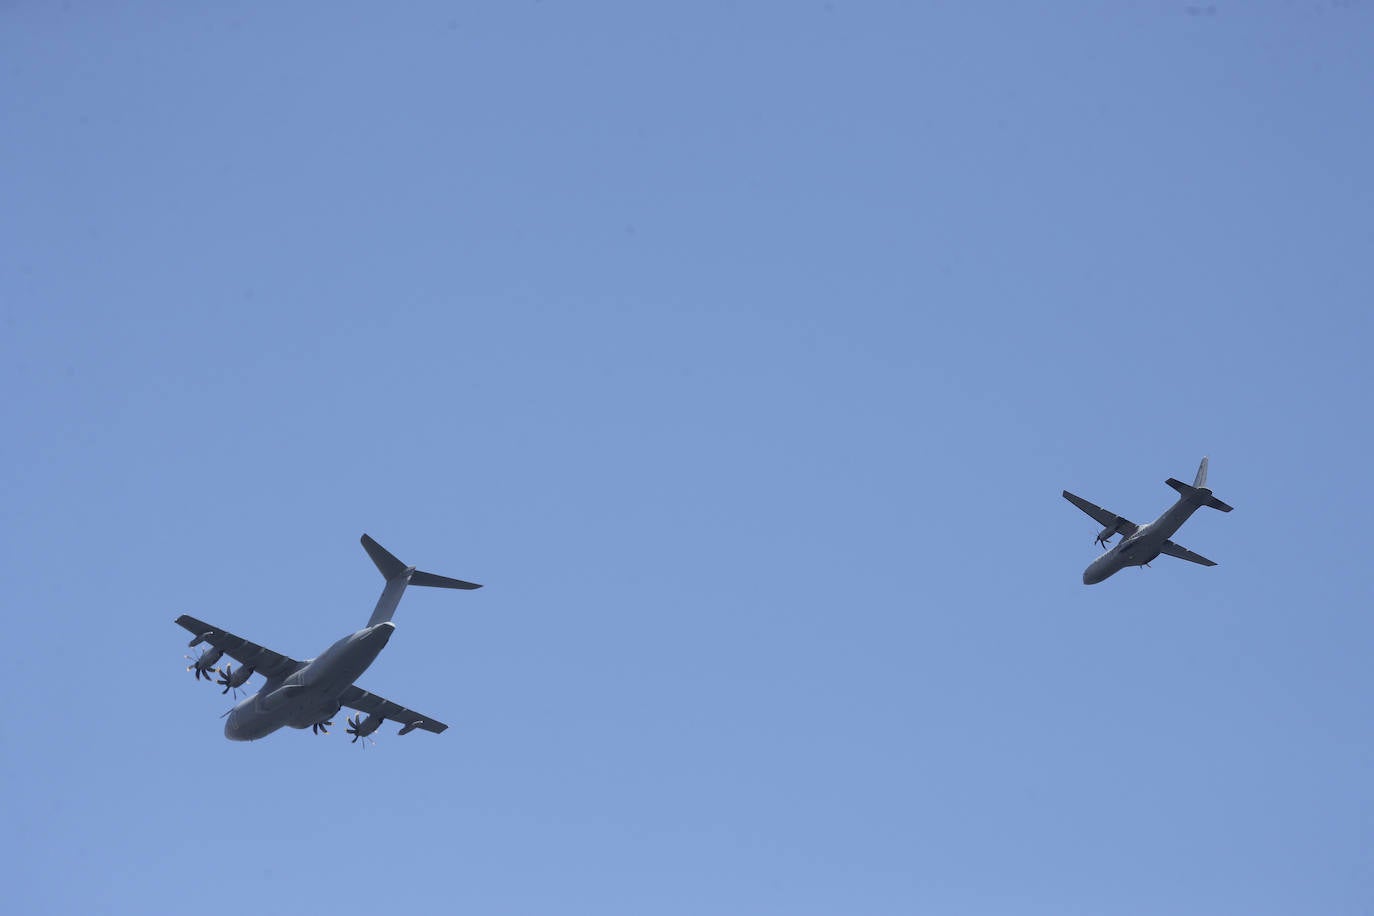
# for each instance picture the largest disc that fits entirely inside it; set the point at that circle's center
(742, 350)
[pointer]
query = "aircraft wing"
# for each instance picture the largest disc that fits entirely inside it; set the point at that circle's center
(1102, 516)
(1183, 553)
(357, 698)
(266, 662)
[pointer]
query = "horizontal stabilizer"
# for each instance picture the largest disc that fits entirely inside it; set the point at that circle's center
(433, 581)
(1199, 495)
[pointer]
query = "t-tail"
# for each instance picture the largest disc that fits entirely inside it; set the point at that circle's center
(398, 576)
(1198, 493)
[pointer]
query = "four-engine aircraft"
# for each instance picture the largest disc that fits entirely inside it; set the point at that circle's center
(1140, 544)
(307, 694)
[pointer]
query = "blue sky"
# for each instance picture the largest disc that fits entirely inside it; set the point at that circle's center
(742, 351)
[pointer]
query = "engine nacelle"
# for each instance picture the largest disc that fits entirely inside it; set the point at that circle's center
(207, 660)
(237, 678)
(359, 727)
(1106, 534)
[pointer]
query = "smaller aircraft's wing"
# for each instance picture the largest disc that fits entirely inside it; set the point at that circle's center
(1102, 516)
(266, 662)
(357, 698)
(1183, 553)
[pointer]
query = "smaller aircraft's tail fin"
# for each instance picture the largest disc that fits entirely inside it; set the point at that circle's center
(1201, 479)
(1198, 492)
(398, 576)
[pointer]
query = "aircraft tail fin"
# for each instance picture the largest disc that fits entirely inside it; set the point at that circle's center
(1201, 479)
(1198, 492)
(398, 576)
(386, 563)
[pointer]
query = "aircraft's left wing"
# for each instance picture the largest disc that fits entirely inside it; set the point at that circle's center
(267, 663)
(357, 698)
(1183, 553)
(1100, 515)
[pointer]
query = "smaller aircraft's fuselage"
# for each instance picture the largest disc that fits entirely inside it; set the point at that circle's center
(1143, 546)
(311, 693)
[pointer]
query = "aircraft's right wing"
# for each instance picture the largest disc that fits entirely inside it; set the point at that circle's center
(1102, 516)
(266, 662)
(357, 698)
(1183, 553)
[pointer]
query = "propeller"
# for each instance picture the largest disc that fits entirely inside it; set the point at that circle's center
(321, 728)
(204, 663)
(230, 679)
(359, 727)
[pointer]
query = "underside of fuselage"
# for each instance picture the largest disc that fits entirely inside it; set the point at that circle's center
(247, 723)
(1114, 560)
(1138, 550)
(310, 696)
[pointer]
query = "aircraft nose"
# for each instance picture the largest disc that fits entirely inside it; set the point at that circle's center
(236, 728)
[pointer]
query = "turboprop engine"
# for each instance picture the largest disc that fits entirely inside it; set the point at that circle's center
(230, 679)
(1105, 534)
(204, 664)
(359, 727)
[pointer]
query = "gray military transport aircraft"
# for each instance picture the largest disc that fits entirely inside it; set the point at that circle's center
(1140, 544)
(306, 694)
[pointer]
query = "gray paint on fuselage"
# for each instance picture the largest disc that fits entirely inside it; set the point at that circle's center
(1143, 546)
(310, 694)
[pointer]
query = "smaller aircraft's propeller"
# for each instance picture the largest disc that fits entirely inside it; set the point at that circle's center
(321, 728)
(358, 728)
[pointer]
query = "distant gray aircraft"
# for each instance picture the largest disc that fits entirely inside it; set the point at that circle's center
(1140, 544)
(307, 694)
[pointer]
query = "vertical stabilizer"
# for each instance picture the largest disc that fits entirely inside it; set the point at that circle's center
(398, 576)
(1201, 479)
(387, 565)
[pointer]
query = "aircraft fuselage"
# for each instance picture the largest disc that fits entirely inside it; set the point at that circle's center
(311, 693)
(1143, 546)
